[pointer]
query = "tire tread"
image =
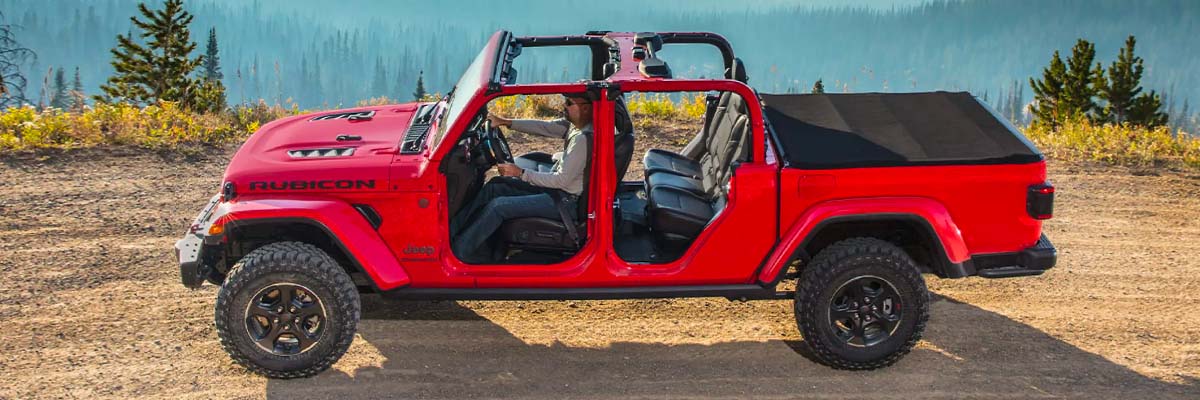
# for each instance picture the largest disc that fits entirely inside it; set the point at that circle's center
(290, 257)
(825, 267)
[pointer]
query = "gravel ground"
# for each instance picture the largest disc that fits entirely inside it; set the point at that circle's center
(91, 300)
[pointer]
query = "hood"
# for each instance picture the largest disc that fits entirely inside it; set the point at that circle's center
(339, 150)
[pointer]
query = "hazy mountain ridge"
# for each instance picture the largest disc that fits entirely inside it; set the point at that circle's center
(981, 46)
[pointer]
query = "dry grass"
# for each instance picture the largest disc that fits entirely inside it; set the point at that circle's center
(1118, 144)
(166, 126)
(161, 126)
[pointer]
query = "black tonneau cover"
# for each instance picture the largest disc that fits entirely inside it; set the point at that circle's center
(824, 131)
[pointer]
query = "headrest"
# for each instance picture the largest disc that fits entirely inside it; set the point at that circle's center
(739, 71)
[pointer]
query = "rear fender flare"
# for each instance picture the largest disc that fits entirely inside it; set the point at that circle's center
(926, 212)
(345, 226)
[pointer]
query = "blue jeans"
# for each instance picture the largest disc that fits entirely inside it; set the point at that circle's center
(502, 198)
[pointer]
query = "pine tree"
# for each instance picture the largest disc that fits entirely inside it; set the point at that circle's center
(1146, 110)
(208, 96)
(1185, 118)
(59, 98)
(210, 91)
(318, 85)
(1047, 93)
(77, 96)
(1123, 92)
(305, 81)
(212, 58)
(1069, 90)
(818, 87)
(400, 84)
(420, 92)
(42, 94)
(278, 84)
(160, 69)
(1082, 81)
(255, 81)
(1122, 84)
(1019, 104)
(380, 84)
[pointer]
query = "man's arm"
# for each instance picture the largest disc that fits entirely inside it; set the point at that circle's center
(570, 177)
(556, 128)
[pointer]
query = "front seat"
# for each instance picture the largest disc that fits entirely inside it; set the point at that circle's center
(546, 234)
(549, 234)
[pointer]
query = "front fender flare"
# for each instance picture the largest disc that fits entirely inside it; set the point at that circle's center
(932, 213)
(345, 226)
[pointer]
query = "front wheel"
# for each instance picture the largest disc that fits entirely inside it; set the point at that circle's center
(861, 304)
(287, 310)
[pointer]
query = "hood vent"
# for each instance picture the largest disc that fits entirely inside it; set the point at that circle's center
(320, 153)
(353, 116)
(414, 138)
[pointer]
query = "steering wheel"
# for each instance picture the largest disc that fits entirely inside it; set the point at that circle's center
(495, 146)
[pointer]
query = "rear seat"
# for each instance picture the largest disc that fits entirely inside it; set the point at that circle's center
(679, 205)
(726, 132)
(658, 160)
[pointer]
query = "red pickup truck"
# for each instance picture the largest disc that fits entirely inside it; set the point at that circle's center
(851, 196)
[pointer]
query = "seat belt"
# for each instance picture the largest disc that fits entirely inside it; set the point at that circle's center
(560, 203)
(564, 213)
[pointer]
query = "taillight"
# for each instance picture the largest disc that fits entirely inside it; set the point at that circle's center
(1040, 201)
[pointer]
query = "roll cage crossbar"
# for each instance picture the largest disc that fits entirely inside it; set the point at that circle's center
(605, 49)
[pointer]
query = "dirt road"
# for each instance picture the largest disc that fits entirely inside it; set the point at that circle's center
(91, 306)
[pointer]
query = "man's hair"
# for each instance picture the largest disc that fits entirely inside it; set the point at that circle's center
(579, 95)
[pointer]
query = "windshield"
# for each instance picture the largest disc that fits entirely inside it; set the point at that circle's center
(462, 92)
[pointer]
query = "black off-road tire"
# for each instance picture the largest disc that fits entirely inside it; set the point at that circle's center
(848, 262)
(287, 263)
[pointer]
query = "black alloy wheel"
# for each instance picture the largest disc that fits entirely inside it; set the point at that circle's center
(285, 319)
(865, 311)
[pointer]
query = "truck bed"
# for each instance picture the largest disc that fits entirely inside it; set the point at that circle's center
(830, 131)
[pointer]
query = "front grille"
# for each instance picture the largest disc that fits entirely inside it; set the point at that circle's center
(353, 116)
(315, 153)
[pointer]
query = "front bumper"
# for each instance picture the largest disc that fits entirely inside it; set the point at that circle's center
(1034, 260)
(197, 251)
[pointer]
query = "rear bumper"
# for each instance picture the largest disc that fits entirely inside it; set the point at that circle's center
(1031, 261)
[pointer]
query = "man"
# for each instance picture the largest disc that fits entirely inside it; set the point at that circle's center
(527, 192)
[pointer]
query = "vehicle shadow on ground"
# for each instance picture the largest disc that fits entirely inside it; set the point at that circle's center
(444, 350)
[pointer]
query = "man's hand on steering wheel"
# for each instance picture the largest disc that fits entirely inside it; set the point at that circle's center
(495, 146)
(507, 169)
(498, 121)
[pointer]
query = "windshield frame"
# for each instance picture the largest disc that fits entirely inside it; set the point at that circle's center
(473, 82)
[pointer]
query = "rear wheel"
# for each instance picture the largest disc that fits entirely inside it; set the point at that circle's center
(861, 304)
(287, 310)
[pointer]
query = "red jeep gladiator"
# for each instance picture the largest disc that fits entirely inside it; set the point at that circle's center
(851, 196)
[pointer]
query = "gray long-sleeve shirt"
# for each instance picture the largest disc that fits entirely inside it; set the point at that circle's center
(569, 167)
